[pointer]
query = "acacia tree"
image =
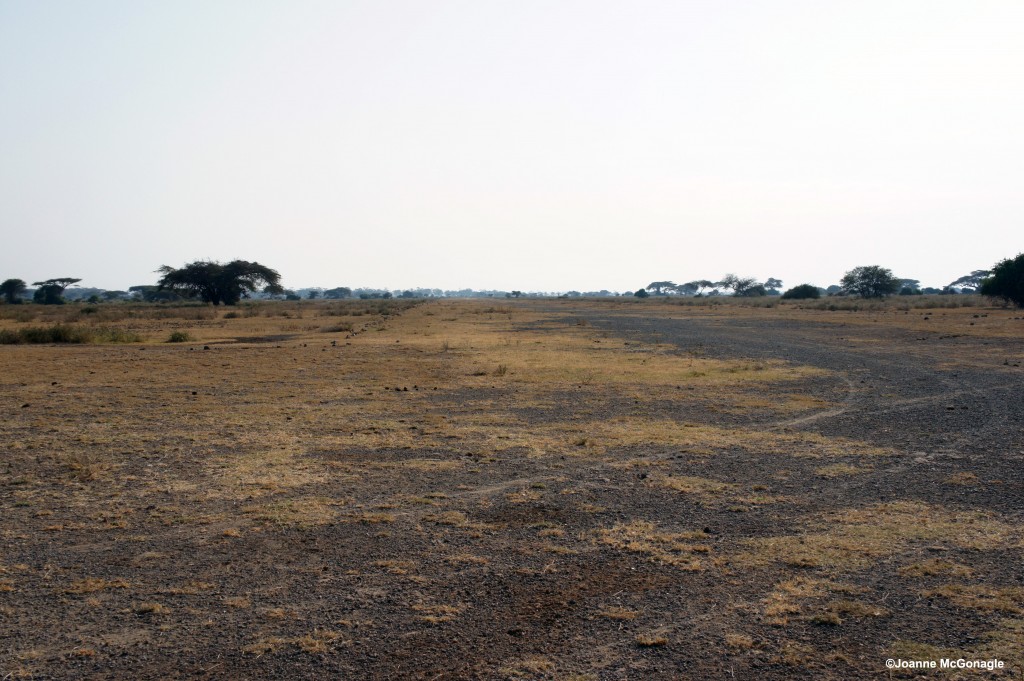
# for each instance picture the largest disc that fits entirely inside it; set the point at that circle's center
(1007, 281)
(220, 283)
(970, 282)
(51, 291)
(743, 286)
(658, 287)
(700, 284)
(688, 289)
(12, 289)
(870, 281)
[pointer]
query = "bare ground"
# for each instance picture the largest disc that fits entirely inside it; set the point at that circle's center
(562, 490)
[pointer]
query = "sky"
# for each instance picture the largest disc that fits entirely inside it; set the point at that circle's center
(511, 144)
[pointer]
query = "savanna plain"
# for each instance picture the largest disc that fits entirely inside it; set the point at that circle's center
(521, 489)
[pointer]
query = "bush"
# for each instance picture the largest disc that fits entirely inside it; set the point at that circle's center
(802, 292)
(65, 333)
(58, 333)
(110, 335)
(1007, 281)
(179, 337)
(642, 293)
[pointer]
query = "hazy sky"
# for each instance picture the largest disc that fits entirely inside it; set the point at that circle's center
(511, 144)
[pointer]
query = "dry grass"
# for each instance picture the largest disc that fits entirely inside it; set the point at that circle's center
(528, 667)
(701, 487)
(739, 642)
(671, 548)
(437, 614)
(302, 512)
(856, 538)
(316, 642)
(963, 478)
(936, 567)
(615, 612)
(837, 470)
(981, 597)
(504, 442)
(651, 640)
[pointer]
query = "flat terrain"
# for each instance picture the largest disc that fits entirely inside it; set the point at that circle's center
(555, 489)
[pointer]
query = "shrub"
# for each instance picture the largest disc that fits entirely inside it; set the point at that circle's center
(58, 333)
(112, 335)
(65, 333)
(802, 292)
(1007, 281)
(179, 337)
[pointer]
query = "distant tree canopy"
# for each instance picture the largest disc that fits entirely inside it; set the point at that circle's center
(687, 289)
(51, 291)
(773, 286)
(1006, 281)
(642, 293)
(659, 287)
(870, 281)
(152, 294)
(12, 289)
(970, 281)
(802, 292)
(701, 284)
(216, 283)
(340, 292)
(743, 286)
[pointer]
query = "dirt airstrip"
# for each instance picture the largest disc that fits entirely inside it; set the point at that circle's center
(524, 489)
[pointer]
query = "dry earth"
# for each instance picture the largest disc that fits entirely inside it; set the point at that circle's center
(516, 490)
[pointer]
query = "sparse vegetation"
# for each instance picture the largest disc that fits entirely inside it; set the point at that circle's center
(65, 333)
(589, 497)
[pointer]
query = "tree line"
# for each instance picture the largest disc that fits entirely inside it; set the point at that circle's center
(228, 283)
(1004, 281)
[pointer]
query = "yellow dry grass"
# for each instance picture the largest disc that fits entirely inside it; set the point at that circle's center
(215, 447)
(856, 538)
(679, 549)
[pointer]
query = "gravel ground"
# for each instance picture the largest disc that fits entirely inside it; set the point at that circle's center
(526, 568)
